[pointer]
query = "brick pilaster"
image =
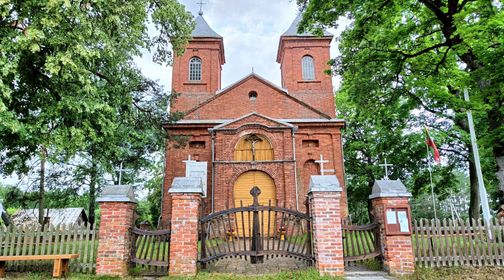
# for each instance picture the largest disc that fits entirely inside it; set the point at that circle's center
(397, 249)
(325, 210)
(184, 233)
(116, 219)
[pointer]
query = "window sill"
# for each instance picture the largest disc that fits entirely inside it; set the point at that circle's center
(195, 83)
(309, 82)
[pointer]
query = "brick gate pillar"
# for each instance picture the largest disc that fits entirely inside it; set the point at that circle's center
(117, 208)
(186, 199)
(390, 208)
(324, 198)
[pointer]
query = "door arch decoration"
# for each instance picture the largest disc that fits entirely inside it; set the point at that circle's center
(253, 147)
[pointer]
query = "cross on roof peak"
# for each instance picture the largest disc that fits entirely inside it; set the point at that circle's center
(200, 3)
(386, 165)
(121, 170)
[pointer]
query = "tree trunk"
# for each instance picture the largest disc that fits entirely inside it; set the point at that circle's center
(500, 177)
(92, 192)
(41, 199)
(474, 204)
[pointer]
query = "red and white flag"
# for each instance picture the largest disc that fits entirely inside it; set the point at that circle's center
(430, 143)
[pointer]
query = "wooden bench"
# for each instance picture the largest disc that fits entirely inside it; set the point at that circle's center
(60, 262)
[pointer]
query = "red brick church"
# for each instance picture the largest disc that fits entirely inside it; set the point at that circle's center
(253, 132)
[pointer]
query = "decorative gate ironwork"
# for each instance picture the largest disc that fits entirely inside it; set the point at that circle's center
(360, 242)
(150, 251)
(255, 232)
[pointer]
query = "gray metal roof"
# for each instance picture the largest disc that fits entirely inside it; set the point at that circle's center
(57, 216)
(324, 183)
(117, 193)
(293, 29)
(202, 29)
(389, 188)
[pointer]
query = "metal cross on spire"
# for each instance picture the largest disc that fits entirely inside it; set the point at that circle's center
(321, 161)
(200, 3)
(386, 165)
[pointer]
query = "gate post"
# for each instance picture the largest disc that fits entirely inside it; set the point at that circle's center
(186, 198)
(117, 207)
(390, 208)
(324, 198)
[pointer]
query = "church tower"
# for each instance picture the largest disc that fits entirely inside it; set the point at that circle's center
(196, 74)
(303, 62)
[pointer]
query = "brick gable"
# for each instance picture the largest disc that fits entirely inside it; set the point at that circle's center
(234, 101)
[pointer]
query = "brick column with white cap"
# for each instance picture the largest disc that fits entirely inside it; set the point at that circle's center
(324, 198)
(186, 199)
(117, 208)
(390, 208)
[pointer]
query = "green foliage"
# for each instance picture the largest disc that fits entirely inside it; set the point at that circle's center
(383, 131)
(68, 84)
(149, 209)
(13, 198)
(411, 60)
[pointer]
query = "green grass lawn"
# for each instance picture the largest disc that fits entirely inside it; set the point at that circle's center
(457, 273)
(310, 274)
(454, 273)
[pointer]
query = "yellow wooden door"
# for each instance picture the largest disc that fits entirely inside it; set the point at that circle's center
(242, 196)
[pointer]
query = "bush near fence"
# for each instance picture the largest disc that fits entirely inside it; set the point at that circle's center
(33, 240)
(447, 242)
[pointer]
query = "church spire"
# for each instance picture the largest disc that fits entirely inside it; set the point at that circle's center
(202, 28)
(293, 29)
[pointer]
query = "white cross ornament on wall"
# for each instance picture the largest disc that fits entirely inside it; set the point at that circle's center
(321, 161)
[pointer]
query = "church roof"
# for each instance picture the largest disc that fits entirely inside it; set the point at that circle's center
(202, 29)
(293, 30)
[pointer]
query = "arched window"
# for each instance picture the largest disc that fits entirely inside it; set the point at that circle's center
(253, 147)
(308, 68)
(195, 69)
(252, 96)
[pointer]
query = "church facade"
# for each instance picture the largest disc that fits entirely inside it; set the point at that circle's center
(253, 132)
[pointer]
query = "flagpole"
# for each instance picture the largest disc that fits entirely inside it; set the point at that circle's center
(481, 185)
(431, 184)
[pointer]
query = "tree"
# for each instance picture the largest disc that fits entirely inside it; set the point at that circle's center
(67, 76)
(379, 132)
(426, 52)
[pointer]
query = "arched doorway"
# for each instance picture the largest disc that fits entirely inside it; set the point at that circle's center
(242, 196)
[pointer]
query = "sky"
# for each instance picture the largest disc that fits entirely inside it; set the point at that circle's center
(251, 30)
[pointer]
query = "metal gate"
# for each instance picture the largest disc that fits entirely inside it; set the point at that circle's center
(150, 251)
(255, 232)
(360, 242)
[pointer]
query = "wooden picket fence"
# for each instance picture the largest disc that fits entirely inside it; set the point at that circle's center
(32, 240)
(457, 243)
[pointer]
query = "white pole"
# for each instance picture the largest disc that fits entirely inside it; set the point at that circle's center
(120, 172)
(481, 184)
